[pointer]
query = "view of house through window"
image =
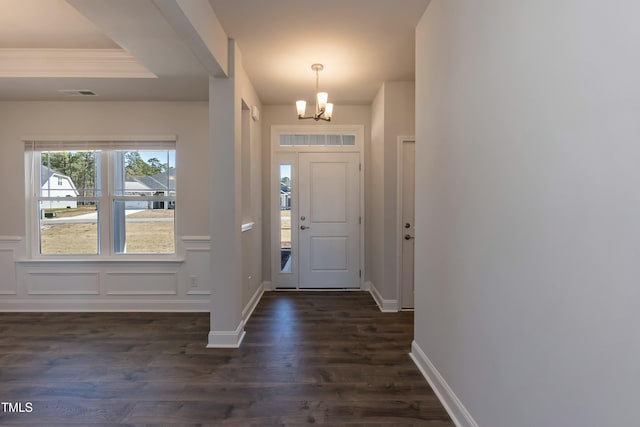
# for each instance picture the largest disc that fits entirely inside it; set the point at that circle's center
(285, 218)
(106, 202)
(144, 202)
(69, 201)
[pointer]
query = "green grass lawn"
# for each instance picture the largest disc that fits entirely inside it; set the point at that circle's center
(82, 239)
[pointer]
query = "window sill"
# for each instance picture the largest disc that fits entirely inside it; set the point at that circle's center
(99, 260)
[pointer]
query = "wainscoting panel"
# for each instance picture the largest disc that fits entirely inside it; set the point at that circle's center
(8, 282)
(141, 283)
(58, 283)
(197, 265)
(123, 284)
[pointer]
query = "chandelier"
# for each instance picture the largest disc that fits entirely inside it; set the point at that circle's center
(324, 110)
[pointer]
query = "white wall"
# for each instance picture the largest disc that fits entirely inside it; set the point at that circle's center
(21, 284)
(236, 255)
(286, 115)
(529, 205)
(252, 239)
(375, 250)
(393, 115)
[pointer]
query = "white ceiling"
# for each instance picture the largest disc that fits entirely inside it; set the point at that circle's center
(47, 24)
(361, 43)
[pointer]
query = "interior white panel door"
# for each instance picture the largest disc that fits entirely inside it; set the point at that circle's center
(329, 229)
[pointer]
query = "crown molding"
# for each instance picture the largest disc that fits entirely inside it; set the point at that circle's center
(82, 63)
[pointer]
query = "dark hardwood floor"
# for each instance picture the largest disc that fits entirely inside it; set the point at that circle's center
(308, 358)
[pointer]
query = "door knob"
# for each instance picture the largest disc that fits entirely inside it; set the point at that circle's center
(408, 237)
(304, 227)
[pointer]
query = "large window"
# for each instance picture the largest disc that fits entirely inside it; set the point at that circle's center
(102, 199)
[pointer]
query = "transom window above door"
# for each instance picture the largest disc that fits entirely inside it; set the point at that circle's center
(317, 140)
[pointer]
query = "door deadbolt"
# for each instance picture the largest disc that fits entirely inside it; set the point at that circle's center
(407, 225)
(302, 218)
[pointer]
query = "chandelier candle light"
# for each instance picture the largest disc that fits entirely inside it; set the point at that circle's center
(324, 110)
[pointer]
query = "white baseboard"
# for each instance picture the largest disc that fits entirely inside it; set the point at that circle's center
(267, 285)
(41, 305)
(458, 413)
(385, 305)
(253, 302)
(233, 339)
(227, 339)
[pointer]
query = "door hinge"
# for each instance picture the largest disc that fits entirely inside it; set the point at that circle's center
(360, 273)
(360, 167)
(360, 220)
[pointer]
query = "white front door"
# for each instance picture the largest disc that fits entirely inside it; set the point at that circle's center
(328, 220)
